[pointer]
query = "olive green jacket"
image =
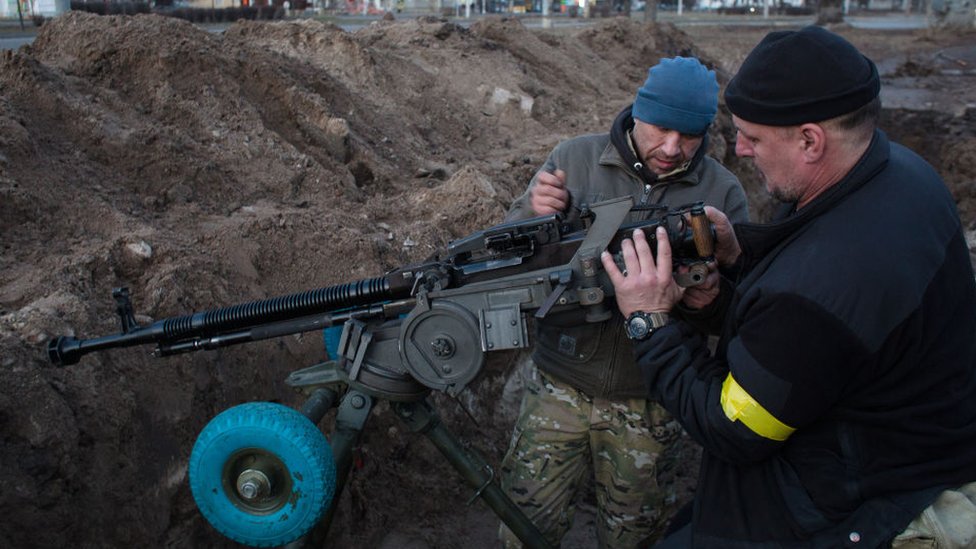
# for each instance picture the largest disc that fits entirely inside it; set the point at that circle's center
(598, 358)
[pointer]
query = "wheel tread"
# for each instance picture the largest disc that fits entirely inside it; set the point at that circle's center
(263, 424)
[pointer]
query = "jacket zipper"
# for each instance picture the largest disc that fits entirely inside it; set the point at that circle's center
(647, 194)
(608, 382)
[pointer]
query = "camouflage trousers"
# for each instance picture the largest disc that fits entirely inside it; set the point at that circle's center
(949, 523)
(562, 435)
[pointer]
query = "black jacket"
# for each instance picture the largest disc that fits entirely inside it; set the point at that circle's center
(842, 397)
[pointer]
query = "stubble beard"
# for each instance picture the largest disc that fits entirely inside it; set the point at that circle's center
(781, 194)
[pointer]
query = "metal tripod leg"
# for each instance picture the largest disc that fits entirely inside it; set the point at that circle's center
(353, 412)
(422, 418)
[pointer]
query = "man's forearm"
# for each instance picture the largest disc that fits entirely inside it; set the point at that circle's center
(680, 374)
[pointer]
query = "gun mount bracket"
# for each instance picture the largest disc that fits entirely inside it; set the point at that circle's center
(503, 328)
(369, 360)
(324, 373)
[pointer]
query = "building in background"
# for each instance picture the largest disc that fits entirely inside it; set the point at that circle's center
(29, 8)
(955, 13)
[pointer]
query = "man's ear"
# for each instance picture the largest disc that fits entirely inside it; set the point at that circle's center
(813, 140)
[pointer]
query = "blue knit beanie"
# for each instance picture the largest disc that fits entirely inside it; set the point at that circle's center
(679, 94)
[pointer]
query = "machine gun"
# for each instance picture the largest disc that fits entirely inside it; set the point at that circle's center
(264, 475)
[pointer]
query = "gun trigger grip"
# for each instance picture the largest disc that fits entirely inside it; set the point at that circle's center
(564, 278)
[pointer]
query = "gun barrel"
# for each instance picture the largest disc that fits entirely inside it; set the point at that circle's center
(66, 350)
(331, 298)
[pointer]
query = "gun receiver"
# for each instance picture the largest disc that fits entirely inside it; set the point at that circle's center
(475, 298)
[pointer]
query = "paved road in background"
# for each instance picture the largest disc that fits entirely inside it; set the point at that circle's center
(12, 37)
(14, 43)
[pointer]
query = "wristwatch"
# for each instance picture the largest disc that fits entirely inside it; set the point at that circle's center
(641, 325)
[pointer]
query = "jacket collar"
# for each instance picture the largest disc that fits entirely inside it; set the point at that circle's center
(758, 240)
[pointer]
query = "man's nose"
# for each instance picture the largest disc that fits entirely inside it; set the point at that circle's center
(672, 143)
(742, 147)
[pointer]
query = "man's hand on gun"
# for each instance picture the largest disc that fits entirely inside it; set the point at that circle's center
(700, 296)
(727, 248)
(549, 195)
(726, 254)
(649, 285)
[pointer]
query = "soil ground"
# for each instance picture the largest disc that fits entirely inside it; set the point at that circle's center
(205, 169)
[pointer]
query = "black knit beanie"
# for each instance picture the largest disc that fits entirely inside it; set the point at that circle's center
(794, 77)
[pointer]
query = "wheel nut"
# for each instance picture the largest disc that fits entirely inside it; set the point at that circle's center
(253, 484)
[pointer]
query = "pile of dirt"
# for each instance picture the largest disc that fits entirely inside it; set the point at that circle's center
(203, 169)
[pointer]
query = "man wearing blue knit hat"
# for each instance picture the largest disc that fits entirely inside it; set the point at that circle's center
(585, 410)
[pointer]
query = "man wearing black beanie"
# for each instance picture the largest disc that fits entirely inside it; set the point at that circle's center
(839, 408)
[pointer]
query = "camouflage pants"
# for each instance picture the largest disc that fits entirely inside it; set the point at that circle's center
(949, 523)
(563, 434)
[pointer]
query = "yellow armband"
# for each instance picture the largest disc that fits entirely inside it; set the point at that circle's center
(739, 405)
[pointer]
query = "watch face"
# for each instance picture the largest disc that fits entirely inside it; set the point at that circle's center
(637, 327)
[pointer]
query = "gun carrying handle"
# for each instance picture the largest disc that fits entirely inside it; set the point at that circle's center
(701, 231)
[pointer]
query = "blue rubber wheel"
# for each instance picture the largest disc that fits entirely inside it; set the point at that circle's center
(262, 474)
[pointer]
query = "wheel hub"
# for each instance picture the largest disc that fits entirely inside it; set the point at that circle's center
(256, 481)
(253, 485)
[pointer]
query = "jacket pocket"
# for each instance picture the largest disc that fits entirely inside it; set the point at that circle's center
(571, 340)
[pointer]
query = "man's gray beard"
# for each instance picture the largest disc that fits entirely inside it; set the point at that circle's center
(780, 195)
(783, 195)
(788, 196)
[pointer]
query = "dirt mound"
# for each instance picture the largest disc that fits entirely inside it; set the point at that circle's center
(204, 169)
